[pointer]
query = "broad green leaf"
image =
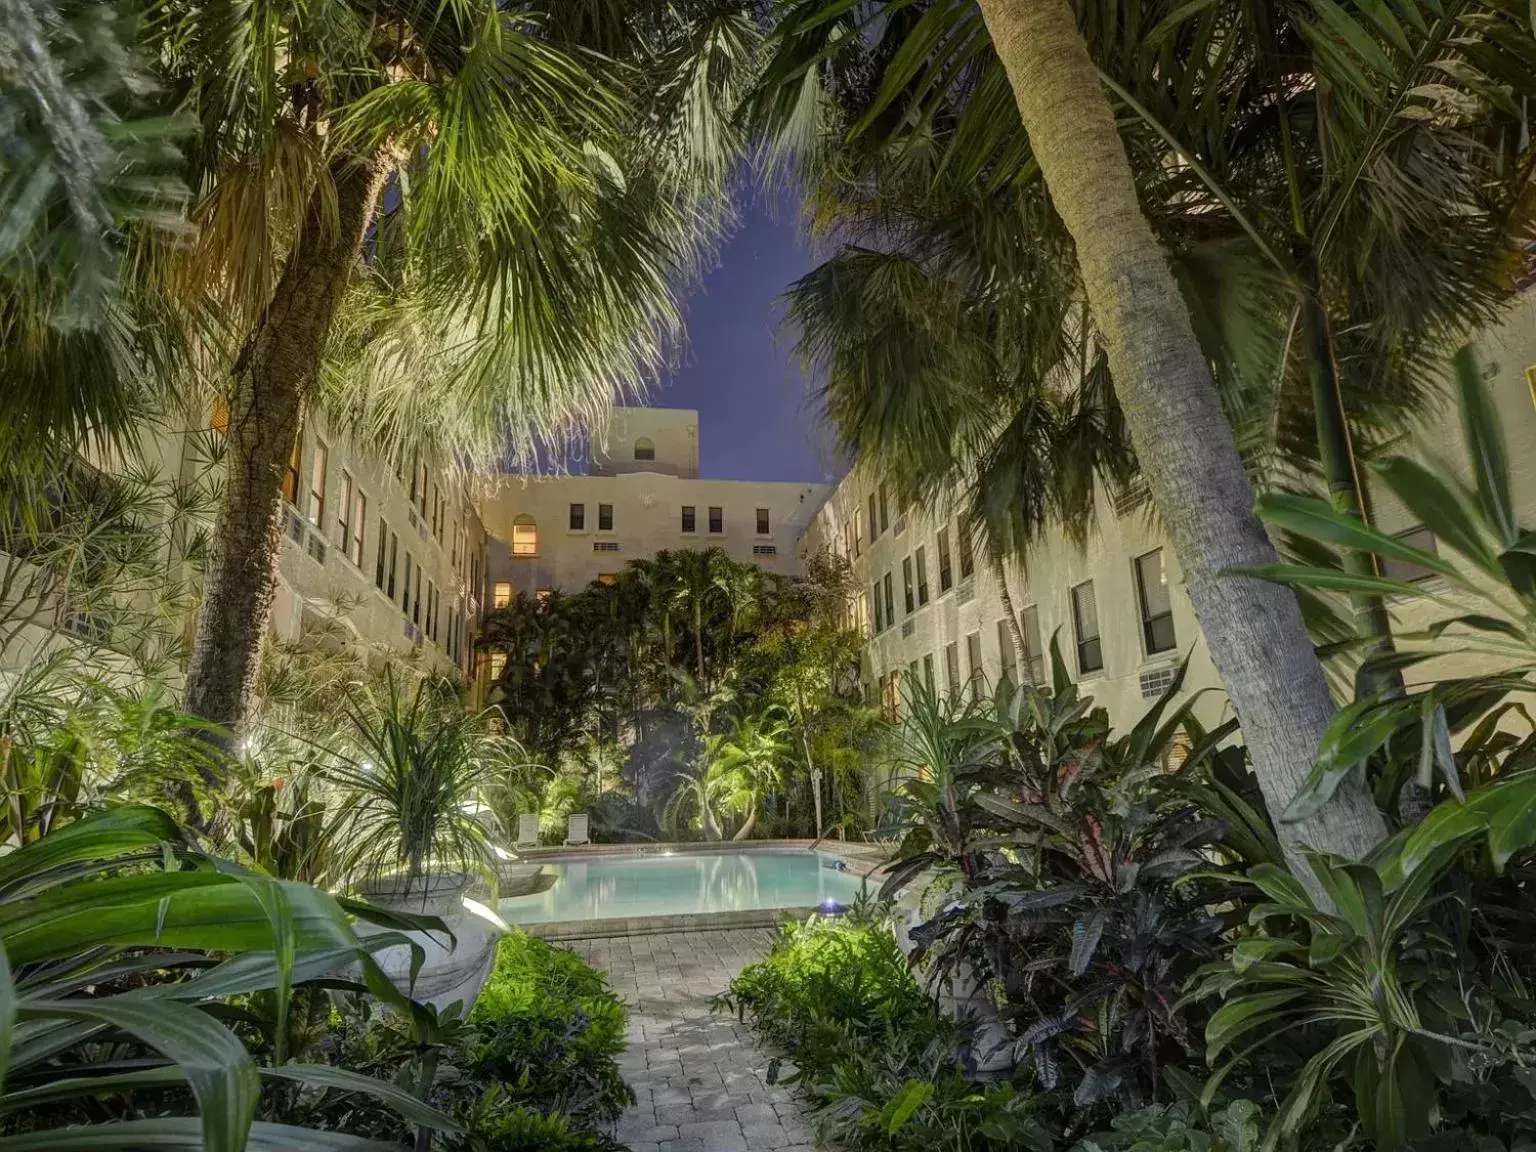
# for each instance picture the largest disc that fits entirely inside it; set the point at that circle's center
(343, 1080)
(1435, 504)
(1301, 576)
(1512, 823)
(7, 1014)
(184, 1134)
(1485, 445)
(1355, 732)
(95, 836)
(1242, 1014)
(1318, 520)
(1019, 813)
(217, 1067)
(1249, 951)
(911, 1096)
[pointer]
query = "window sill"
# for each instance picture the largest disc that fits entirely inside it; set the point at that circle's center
(1156, 660)
(1088, 677)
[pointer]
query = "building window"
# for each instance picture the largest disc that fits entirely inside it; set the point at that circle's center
(928, 671)
(885, 507)
(689, 520)
(359, 523)
(1008, 655)
(1155, 603)
(543, 596)
(920, 557)
(344, 509)
(967, 555)
(525, 536)
(219, 418)
(421, 488)
(762, 521)
(858, 531)
(501, 595)
(644, 449)
(416, 604)
(952, 668)
(578, 517)
(908, 591)
(874, 519)
(381, 565)
(317, 486)
(405, 587)
(431, 609)
(605, 517)
(607, 579)
(498, 665)
(974, 671)
(879, 610)
(1085, 626)
(1422, 539)
(716, 519)
(394, 556)
(946, 574)
(862, 618)
(1034, 654)
(291, 472)
(890, 601)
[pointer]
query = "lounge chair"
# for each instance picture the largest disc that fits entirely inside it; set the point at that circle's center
(527, 831)
(576, 829)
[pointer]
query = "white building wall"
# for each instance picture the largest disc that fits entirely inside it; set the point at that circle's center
(647, 517)
(1132, 675)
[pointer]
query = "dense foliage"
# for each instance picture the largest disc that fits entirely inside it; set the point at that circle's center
(692, 694)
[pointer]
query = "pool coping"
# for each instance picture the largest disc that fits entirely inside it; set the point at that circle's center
(864, 861)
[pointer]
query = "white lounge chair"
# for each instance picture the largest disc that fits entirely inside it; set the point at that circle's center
(576, 829)
(527, 831)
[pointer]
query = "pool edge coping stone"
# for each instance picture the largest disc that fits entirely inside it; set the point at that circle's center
(621, 926)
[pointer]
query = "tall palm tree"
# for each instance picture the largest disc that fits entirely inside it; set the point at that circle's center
(535, 188)
(745, 764)
(1037, 86)
(695, 591)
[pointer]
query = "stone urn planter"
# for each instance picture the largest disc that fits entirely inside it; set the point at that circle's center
(453, 969)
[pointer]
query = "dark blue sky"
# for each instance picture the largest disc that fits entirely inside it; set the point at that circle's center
(755, 419)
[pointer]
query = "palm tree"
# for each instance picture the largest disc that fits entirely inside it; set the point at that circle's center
(1038, 69)
(535, 190)
(694, 591)
(746, 764)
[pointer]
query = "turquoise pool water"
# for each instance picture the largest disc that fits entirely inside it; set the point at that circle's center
(681, 884)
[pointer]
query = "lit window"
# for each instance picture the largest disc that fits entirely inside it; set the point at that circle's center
(544, 596)
(317, 485)
(498, 665)
(502, 596)
(219, 421)
(644, 449)
(607, 579)
(291, 472)
(525, 536)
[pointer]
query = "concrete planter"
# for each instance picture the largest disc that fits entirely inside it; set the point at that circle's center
(454, 970)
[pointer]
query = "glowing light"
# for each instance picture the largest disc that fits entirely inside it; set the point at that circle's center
(831, 905)
(669, 853)
(501, 853)
(486, 913)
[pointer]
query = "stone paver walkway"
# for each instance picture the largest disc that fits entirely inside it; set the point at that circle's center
(699, 1077)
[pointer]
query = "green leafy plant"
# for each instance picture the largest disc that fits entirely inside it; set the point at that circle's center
(415, 787)
(870, 1047)
(1067, 872)
(121, 936)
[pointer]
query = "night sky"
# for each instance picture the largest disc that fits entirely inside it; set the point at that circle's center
(756, 421)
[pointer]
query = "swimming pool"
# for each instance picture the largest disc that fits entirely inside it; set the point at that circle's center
(684, 883)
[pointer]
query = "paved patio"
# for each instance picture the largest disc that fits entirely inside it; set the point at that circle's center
(700, 1078)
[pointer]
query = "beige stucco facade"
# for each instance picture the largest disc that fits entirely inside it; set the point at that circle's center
(641, 497)
(1140, 612)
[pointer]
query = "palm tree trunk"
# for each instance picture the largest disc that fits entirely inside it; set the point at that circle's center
(698, 640)
(1015, 633)
(745, 831)
(1253, 630)
(275, 377)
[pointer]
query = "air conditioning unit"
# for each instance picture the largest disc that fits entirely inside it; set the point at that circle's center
(907, 628)
(316, 548)
(765, 550)
(605, 546)
(295, 527)
(1155, 682)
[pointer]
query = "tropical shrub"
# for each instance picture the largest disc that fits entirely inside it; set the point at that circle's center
(1071, 879)
(123, 943)
(870, 1048)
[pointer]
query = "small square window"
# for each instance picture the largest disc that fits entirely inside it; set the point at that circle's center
(605, 517)
(716, 519)
(578, 517)
(690, 519)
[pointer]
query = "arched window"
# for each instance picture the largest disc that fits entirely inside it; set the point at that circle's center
(525, 536)
(644, 449)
